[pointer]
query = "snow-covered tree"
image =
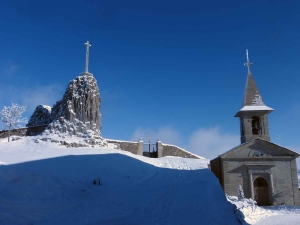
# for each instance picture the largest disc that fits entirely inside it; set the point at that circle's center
(240, 193)
(11, 116)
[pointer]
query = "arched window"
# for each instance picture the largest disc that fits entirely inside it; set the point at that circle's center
(255, 125)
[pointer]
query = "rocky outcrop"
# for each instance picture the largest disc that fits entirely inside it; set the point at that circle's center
(77, 117)
(75, 120)
(81, 102)
(40, 116)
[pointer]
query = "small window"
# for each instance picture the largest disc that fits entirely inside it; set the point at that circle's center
(255, 125)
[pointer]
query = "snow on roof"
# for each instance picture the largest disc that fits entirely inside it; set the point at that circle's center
(256, 107)
(249, 108)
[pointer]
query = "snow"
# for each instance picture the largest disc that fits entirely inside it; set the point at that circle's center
(47, 107)
(248, 212)
(185, 151)
(133, 142)
(44, 183)
(281, 219)
(257, 101)
(256, 107)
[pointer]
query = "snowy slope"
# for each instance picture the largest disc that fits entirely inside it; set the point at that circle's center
(43, 183)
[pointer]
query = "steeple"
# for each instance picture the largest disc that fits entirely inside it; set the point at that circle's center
(254, 113)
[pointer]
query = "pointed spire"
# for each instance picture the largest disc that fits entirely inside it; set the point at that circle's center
(252, 100)
(252, 96)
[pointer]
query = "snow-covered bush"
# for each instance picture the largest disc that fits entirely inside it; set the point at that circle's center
(241, 195)
(11, 116)
(246, 210)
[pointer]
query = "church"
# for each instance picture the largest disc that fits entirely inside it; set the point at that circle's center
(266, 171)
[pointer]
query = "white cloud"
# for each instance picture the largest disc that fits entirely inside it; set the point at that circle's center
(31, 96)
(165, 134)
(211, 142)
(46, 95)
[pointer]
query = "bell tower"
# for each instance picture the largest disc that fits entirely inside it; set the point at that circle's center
(254, 113)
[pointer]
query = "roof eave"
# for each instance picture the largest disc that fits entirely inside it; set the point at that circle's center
(266, 110)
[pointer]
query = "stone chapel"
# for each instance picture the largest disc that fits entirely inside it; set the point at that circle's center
(266, 171)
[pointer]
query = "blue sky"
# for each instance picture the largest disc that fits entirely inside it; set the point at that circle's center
(166, 69)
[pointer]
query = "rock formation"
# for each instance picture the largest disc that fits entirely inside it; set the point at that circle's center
(76, 115)
(40, 116)
(80, 104)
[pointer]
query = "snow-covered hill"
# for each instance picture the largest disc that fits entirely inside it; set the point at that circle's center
(43, 183)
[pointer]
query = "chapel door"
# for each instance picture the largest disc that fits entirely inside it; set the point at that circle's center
(261, 192)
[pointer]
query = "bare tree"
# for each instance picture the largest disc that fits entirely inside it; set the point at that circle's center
(11, 116)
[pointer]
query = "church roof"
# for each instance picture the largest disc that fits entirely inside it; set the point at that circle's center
(293, 153)
(252, 100)
(252, 95)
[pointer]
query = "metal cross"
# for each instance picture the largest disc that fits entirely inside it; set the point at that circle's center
(87, 56)
(248, 64)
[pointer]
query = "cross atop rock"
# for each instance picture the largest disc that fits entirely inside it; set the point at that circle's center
(88, 45)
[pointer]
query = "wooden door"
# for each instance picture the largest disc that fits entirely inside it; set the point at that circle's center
(261, 191)
(261, 195)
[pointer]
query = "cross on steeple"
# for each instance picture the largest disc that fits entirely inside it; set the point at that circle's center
(248, 64)
(87, 56)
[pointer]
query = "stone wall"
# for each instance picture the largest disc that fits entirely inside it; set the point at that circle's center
(163, 149)
(128, 146)
(172, 150)
(17, 132)
(26, 131)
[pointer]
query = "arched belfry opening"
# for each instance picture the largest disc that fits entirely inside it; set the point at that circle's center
(256, 125)
(261, 191)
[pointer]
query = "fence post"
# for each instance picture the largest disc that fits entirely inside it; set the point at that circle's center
(140, 147)
(160, 149)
